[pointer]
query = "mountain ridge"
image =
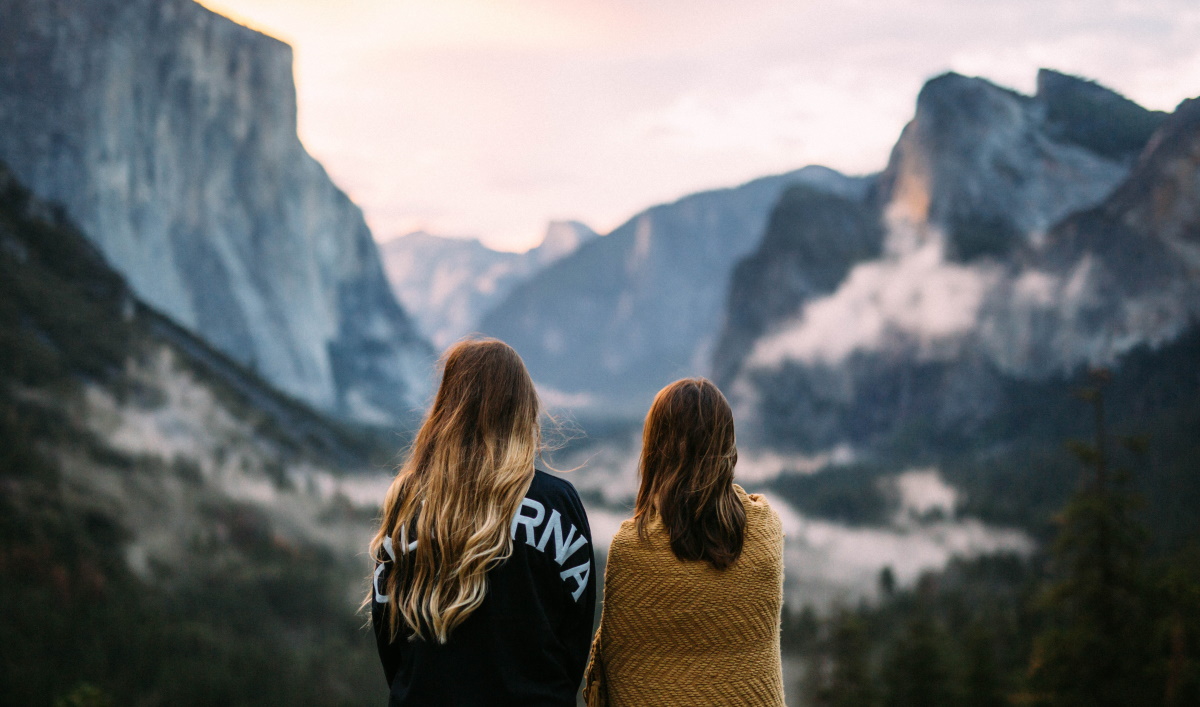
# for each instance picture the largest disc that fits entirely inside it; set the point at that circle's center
(624, 314)
(972, 290)
(168, 133)
(449, 283)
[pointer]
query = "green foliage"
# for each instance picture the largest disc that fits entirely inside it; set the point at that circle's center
(54, 287)
(958, 638)
(1016, 474)
(799, 630)
(887, 581)
(86, 695)
(250, 618)
(1099, 647)
(915, 672)
(848, 494)
(1107, 613)
(1177, 589)
(982, 685)
(847, 681)
(277, 629)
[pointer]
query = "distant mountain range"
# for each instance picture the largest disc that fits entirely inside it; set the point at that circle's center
(449, 283)
(603, 328)
(168, 132)
(1011, 238)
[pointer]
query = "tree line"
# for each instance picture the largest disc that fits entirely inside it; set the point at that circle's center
(1102, 615)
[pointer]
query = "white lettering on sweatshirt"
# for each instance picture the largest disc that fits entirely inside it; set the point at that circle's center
(564, 545)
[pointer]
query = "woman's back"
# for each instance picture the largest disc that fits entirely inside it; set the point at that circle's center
(527, 643)
(483, 591)
(684, 633)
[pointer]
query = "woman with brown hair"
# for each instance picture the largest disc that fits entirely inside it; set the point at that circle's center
(694, 585)
(483, 591)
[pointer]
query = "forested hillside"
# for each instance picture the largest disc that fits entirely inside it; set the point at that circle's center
(164, 536)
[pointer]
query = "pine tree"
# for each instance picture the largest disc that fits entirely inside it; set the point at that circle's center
(1100, 646)
(981, 682)
(916, 672)
(1179, 627)
(798, 632)
(845, 681)
(887, 582)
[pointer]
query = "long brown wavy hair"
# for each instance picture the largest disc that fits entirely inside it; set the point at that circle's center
(688, 454)
(447, 514)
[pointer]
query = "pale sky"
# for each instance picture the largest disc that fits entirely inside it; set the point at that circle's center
(488, 118)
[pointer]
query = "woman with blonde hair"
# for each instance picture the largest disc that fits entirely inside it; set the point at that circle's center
(483, 591)
(694, 585)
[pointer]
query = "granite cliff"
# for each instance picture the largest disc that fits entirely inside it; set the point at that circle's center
(163, 500)
(1021, 239)
(169, 134)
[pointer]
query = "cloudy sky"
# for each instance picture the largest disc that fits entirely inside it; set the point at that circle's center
(487, 118)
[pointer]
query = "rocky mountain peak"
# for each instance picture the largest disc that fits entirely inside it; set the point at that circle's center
(561, 239)
(981, 169)
(812, 239)
(1015, 252)
(1163, 192)
(952, 109)
(1096, 118)
(449, 283)
(168, 133)
(623, 315)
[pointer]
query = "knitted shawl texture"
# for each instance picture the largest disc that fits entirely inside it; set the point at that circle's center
(684, 633)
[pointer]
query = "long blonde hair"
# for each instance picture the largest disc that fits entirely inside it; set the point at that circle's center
(447, 514)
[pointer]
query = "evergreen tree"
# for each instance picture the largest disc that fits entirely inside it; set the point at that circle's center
(1179, 628)
(916, 672)
(981, 682)
(845, 681)
(887, 582)
(798, 630)
(1100, 645)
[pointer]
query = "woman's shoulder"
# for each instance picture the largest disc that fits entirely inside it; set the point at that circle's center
(555, 490)
(627, 532)
(759, 511)
(546, 483)
(630, 544)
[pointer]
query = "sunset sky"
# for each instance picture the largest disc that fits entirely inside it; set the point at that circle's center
(487, 118)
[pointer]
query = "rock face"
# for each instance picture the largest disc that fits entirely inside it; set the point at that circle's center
(1022, 238)
(1113, 277)
(980, 168)
(561, 239)
(625, 314)
(812, 240)
(169, 134)
(449, 283)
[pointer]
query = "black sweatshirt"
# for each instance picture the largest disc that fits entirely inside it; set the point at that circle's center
(527, 643)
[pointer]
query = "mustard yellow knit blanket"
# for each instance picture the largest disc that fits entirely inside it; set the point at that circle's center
(683, 633)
